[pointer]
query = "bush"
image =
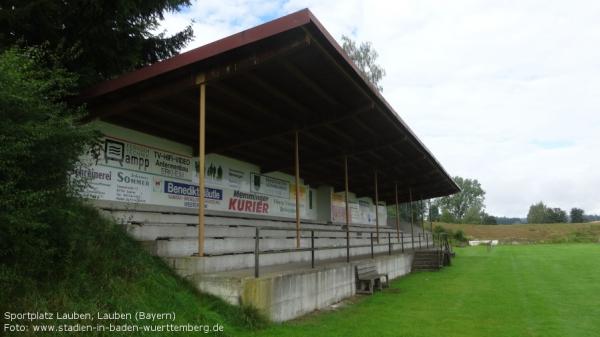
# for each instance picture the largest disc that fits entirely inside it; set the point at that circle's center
(39, 148)
(459, 236)
(439, 229)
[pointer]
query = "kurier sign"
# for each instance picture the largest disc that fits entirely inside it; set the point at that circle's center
(125, 171)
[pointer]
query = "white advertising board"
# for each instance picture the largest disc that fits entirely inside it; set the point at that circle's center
(362, 211)
(122, 170)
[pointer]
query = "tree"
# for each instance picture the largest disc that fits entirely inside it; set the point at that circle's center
(540, 213)
(577, 215)
(487, 219)
(473, 215)
(447, 217)
(555, 215)
(434, 213)
(40, 145)
(501, 220)
(95, 39)
(537, 213)
(364, 57)
(470, 198)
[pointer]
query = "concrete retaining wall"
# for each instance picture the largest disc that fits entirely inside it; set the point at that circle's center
(286, 294)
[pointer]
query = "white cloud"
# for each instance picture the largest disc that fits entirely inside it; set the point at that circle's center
(505, 92)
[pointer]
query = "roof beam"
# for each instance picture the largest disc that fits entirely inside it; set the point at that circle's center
(127, 122)
(341, 134)
(124, 105)
(331, 155)
(307, 126)
(273, 91)
(236, 94)
(366, 176)
(314, 86)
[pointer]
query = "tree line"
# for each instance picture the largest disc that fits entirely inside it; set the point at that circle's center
(540, 213)
(468, 207)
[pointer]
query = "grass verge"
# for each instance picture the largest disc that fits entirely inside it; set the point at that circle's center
(526, 290)
(112, 273)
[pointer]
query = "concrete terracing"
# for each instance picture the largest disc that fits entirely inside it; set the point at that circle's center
(287, 286)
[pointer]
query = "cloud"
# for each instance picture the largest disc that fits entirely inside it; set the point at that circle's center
(505, 92)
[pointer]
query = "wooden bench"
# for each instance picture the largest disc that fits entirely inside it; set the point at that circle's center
(367, 275)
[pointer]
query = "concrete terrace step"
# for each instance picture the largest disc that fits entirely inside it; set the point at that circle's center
(177, 247)
(156, 231)
(146, 218)
(425, 269)
(154, 225)
(188, 265)
(428, 260)
(416, 264)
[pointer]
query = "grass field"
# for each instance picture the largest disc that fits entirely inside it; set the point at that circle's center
(532, 233)
(524, 290)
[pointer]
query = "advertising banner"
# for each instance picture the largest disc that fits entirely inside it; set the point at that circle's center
(266, 185)
(338, 209)
(121, 170)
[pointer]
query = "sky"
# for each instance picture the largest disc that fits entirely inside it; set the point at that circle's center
(505, 92)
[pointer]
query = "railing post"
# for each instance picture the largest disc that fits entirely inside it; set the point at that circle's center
(256, 252)
(420, 240)
(426, 240)
(402, 242)
(389, 243)
(312, 249)
(372, 252)
(348, 245)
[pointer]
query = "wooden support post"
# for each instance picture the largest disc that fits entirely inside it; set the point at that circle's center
(297, 166)
(412, 231)
(201, 160)
(347, 209)
(402, 241)
(257, 252)
(422, 211)
(397, 213)
(372, 251)
(376, 208)
(346, 192)
(430, 220)
(312, 249)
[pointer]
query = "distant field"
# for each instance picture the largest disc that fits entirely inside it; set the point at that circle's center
(508, 291)
(530, 233)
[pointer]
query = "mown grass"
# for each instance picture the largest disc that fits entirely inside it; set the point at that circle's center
(531, 233)
(526, 290)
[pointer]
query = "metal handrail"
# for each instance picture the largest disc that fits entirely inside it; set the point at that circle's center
(312, 248)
